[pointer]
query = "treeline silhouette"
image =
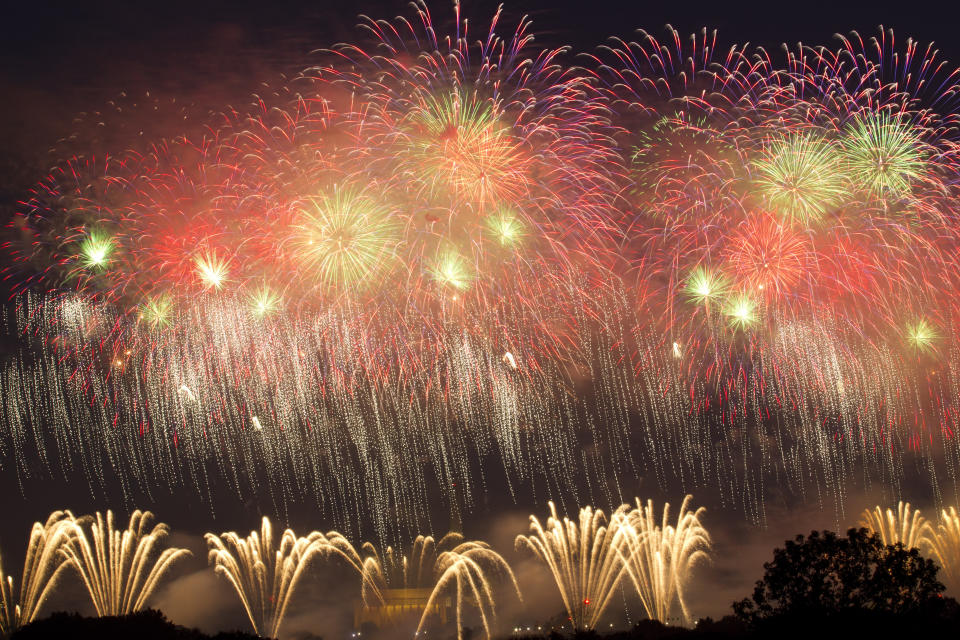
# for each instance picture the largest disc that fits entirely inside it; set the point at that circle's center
(148, 624)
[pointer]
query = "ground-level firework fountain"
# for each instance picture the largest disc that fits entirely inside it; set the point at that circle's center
(448, 262)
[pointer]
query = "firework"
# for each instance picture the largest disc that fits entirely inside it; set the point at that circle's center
(212, 270)
(905, 526)
(119, 569)
(95, 251)
(883, 155)
(264, 302)
(451, 566)
(800, 178)
(346, 238)
(659, 557)
(944, 544)
(264, 575)
(42, 570)
(705, 285)
(444, 250)
(921, 335)
(583, 559)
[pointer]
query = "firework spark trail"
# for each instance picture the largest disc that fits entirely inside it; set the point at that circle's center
(905, 525)
(659, 558)
(466, 569)
(582, 557)
(265, 576)
(119, 569)
(201, 446)
(42, 569)
(944, 545)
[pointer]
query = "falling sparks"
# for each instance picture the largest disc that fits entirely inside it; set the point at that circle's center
(438, 254)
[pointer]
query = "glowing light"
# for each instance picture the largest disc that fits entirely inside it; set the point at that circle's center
(741, 312)
(451, 270)
(42, 569)
(582, 557)
(944, 545)
(120, 568)
(95, 250)
(346, 238)
(451, 566)
(768, 255)
(704, 285)
(212, 270)
(457, 145)
(157, 311)
(264, 302)
(187, 393)
(883, 154)
(659, 558)
(922, 335)
(799, 177)
(905, 525)
(506, 227)
(264, 575)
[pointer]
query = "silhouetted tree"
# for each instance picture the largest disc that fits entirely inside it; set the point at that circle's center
(143, 625)
(825, 574)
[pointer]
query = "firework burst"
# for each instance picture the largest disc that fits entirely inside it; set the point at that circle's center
(119, 568)
(444, 249)
(659, 557)
(583, 559)
(264, 575)
(42, 569)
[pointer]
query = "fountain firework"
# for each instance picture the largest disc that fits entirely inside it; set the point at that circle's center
(905, 526)
(659, 558)
(464, 569)
(264, 575)
(42, 569)
(583, 558)
(944, 546)
(119, 568)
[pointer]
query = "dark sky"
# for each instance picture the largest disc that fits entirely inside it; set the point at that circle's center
(60, 59)
(60, 62)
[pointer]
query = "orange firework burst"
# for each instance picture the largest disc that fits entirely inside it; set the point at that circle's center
(768, 257)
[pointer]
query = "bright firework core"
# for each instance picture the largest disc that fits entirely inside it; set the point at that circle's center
(435, 263)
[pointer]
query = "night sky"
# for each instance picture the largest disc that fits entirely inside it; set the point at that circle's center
(65, 68)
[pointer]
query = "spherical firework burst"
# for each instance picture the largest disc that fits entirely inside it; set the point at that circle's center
(883, 154)
(346, 239)
(767, 256)
(799, 177)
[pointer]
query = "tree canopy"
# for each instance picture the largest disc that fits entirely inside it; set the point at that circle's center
(824, 574)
